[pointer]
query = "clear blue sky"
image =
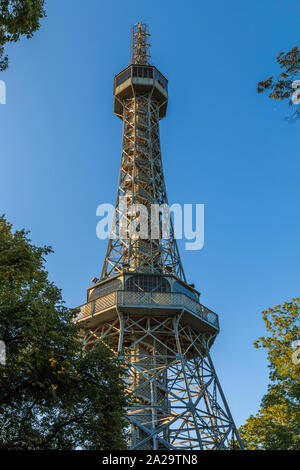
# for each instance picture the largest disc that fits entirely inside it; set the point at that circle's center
(223, 145)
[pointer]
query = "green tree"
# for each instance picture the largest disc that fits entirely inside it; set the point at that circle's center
(276, 426)
(53, 394)
(18, 18)
(281, 88)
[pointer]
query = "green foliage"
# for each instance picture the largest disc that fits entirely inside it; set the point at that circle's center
(53, 394)
(18, 18)
(277, 423)
(281, 87)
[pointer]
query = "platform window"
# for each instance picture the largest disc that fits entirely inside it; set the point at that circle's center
(178, 287)
(105, 289)
(161, 80)
(144, 283)
(149, 72)
(143, 72)
(123, 77)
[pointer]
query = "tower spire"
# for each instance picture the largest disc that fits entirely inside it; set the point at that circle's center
(140, 46)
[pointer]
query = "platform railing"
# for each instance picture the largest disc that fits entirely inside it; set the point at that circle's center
(130, 298)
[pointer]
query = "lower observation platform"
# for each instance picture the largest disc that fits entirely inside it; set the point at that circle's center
(162, 332)
(163, 304)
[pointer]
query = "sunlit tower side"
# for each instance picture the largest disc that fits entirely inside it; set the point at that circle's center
(142, 305)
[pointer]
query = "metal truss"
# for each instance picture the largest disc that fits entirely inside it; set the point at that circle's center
(178, 402)
(141, 181)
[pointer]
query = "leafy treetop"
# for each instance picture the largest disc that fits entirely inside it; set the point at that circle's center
(18, 18)
(53, 393)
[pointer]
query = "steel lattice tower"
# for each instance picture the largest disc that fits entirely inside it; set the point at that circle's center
(142, 306)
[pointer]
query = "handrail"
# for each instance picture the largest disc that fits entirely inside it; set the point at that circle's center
(131, 298)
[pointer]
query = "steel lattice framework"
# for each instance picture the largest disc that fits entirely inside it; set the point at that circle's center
(141, 182)
(179, 403)
(142, 306)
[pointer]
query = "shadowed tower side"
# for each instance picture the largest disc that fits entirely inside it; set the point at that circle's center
(140, 45)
